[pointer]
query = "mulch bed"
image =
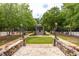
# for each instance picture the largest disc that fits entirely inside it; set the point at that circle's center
(6, 39)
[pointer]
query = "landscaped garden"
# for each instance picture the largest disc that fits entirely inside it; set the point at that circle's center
(6, 39)
(16, 17)
(39, 40)
(71, 39)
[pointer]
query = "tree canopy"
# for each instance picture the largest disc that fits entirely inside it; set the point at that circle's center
(12, 15)
(67, 17)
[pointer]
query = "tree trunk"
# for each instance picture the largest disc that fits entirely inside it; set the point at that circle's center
(51, 31)
(44, 31)
(9, 33)
(70, 31)
(0, 33)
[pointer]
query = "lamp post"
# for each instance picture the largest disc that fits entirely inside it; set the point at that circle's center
(22, 34)
(55, 34)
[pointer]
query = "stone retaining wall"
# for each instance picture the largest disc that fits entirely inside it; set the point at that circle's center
(10, 50)
(68, 51)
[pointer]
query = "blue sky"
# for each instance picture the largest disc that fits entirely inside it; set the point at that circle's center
(39, 7)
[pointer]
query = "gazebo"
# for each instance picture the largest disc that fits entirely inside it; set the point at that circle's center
(39, 29)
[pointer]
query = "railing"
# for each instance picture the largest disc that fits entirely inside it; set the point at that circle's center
(67, 50)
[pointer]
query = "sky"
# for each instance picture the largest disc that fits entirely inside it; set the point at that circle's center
(39, 7)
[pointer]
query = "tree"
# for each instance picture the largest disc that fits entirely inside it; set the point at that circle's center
(50, 17)
(12, 15)
(71, 15)
(67, 17)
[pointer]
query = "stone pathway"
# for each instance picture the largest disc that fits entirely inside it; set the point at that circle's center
(39, 50)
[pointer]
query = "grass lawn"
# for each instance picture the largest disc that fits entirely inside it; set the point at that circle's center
(6, 39)
(70, 39)
(39, 40)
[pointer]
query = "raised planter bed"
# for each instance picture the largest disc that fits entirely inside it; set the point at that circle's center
(9, 49)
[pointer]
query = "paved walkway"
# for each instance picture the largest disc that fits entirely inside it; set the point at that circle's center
(38, 50)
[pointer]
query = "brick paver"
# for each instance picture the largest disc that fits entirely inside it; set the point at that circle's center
(39, 50)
